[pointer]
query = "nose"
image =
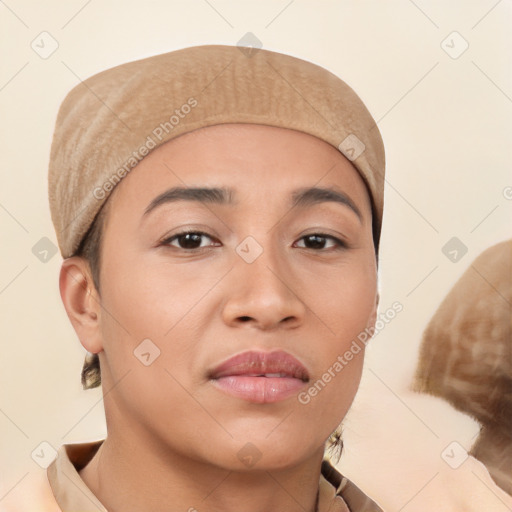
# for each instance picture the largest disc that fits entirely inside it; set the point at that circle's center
(263, 293)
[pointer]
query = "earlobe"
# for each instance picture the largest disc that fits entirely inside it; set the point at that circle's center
(82, 302)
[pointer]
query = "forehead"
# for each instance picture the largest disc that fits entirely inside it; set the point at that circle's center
(259, 160)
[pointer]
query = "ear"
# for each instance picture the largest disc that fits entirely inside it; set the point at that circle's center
(81, 301)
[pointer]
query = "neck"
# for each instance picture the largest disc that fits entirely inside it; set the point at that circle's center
(134, 475)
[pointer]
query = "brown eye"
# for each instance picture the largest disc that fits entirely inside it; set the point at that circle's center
(188, 240)
(317, 241)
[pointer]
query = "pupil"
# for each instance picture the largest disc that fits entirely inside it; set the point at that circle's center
(190, 244)
(318, 241)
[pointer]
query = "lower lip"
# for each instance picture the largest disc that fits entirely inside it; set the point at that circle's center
(259, 390)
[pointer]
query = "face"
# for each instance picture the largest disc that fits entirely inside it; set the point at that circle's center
(245, 298)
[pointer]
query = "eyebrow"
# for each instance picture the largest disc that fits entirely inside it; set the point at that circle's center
(302, 197)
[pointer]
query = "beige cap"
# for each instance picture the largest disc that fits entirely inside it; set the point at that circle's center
(110, 121)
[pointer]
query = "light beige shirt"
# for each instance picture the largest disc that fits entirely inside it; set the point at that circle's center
(63, 490)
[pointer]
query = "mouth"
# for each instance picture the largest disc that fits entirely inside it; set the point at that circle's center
(260, 377)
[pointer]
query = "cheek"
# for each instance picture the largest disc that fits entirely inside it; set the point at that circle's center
(143, 323)
(152, 309)
(345, 310)
(343, 302)
(148, 300)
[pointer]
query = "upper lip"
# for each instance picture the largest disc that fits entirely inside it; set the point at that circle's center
(257, 363)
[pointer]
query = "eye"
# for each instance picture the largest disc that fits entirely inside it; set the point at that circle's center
(187, 240)
(318, 241)
(191, 240)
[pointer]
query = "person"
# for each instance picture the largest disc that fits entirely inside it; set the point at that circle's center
(218, 209)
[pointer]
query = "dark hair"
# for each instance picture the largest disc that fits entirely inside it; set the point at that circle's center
(90, 250)
(90, 246)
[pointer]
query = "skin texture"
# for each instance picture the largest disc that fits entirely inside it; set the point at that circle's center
(173, 437)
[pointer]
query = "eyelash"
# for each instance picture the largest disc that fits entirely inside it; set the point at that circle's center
(340, 244)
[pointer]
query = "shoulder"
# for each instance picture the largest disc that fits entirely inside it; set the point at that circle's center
(32, 493)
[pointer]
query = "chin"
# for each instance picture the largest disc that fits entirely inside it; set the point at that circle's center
(272, 453)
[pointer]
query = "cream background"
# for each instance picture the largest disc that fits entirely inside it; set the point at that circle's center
(446, 128)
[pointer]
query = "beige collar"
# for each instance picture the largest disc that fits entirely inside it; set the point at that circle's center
(336, 493)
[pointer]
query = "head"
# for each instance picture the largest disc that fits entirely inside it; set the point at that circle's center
(200, 301)
(250, 228)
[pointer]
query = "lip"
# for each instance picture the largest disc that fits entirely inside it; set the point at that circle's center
(260, 377)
